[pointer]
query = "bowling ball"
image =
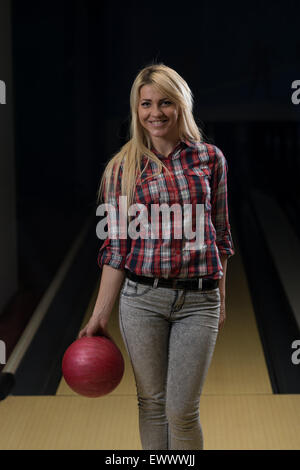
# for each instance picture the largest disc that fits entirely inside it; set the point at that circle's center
(93, 366)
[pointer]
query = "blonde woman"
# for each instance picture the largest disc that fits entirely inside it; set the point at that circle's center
(172, 299)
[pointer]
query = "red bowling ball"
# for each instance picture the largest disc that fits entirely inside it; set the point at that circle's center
(93, 366)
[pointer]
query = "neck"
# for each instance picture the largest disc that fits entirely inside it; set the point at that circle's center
(165, 146)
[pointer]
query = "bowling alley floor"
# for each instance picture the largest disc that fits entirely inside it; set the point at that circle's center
(238, 409)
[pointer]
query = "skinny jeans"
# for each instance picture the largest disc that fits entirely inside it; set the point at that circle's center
(170, 336)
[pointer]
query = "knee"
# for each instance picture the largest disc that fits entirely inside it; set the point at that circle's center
(152, 402)
(184, 417)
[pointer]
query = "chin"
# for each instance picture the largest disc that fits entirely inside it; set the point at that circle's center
(159, 132)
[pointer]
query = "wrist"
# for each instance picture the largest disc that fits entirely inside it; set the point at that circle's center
(103, 313)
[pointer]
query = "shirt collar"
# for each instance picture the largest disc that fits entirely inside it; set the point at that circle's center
(176, 151)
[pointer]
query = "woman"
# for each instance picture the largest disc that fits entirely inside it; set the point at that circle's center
(172, 301)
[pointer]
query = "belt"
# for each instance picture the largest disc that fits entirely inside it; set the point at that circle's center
(198, 283)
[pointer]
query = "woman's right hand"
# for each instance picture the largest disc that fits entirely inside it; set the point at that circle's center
(96, 326)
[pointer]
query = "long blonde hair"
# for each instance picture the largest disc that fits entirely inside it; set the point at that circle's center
(168, 82)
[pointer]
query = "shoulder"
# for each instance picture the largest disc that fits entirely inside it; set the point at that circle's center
(212, 154)
(213, 157)
(212, 151)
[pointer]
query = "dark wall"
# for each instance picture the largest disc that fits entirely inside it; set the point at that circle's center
(74, 64)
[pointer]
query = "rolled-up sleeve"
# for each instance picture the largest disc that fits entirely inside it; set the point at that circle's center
(114, 249)
(219, 205)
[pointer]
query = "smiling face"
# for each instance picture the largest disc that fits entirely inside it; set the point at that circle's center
(158, 114)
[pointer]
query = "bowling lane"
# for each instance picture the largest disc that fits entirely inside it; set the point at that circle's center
(238, 365)
(237, 396)
(73, 423)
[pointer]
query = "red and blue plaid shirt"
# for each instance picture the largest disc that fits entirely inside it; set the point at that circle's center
(198, 176)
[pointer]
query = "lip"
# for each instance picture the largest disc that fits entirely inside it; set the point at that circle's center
(158, 120)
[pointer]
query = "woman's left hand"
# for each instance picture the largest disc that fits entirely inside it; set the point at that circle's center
(222, 314)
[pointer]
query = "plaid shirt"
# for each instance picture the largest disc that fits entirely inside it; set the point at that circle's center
(198, 176)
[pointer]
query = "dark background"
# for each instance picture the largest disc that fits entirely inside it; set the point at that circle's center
(73, 66)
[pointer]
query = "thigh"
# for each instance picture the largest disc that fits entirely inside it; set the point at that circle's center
(145, 334)
(192, 341)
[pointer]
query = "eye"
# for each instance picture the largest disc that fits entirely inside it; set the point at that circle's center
(165, 103)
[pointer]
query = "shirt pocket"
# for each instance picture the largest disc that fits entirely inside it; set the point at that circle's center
(202, 171)
(148, 191)
(197, 180)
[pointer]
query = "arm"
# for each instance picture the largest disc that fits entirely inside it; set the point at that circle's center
(110, 284)
(222, 283)
(114, 250)
(222, 288)
(111, 258)
(220, 219)
(219, 205)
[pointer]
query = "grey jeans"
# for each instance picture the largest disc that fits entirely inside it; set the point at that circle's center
(170, 337)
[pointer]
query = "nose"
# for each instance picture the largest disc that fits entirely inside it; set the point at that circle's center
(156, 111)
